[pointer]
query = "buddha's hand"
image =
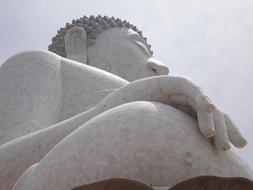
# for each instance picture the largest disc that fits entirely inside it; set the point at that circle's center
(190, 98)
(184, 95)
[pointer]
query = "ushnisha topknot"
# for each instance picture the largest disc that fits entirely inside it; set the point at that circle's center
(93, 26)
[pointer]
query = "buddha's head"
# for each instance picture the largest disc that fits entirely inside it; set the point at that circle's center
(108, 44)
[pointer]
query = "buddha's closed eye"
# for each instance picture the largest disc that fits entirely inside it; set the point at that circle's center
(141, 44)
(142, 47)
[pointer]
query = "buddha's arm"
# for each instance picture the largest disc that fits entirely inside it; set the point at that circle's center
(183, 92)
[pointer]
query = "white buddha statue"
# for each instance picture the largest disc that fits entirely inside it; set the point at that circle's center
(105, 108)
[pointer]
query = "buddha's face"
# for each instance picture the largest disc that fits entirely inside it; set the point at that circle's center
(125, 53)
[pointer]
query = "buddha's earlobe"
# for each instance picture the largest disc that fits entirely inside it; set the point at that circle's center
(76, 44)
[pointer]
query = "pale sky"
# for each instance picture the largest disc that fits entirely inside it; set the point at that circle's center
(210, 41)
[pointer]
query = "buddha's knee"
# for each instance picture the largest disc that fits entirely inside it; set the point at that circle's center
(145, 141)
(124, 142)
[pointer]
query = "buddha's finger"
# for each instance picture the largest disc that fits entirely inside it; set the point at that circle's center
(184, 103)
(197, 94)
(234, 134)
(181, 103)
(220, 138)
(171, 85)
(206, 123)
(205, 103)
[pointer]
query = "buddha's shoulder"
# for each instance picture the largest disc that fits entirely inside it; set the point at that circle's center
(33, 57)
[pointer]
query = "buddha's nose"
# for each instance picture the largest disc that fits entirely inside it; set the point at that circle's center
(157, 67)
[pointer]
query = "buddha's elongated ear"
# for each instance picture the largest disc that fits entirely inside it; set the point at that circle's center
(76, 44)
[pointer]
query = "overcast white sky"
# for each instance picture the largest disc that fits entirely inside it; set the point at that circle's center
(210, 41)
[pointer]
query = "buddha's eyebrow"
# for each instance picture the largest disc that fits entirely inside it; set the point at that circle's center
(137, 39)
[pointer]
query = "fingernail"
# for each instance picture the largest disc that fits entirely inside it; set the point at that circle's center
(209, 133)
(209, 107)
(241, 143)
(226, 147)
